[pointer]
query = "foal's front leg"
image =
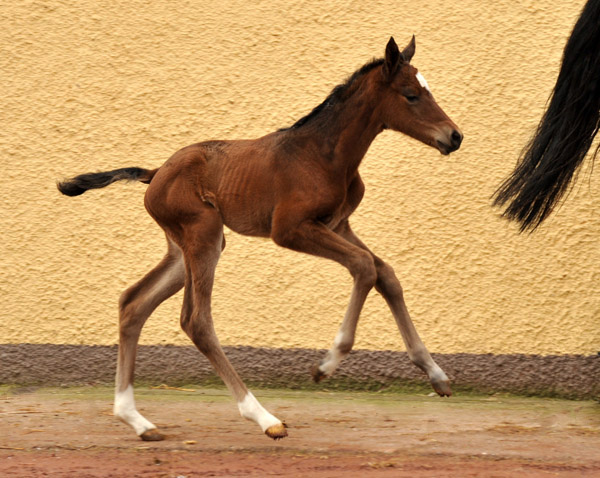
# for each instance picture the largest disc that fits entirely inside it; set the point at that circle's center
(344, 340)
(314, 238)
(389, 287)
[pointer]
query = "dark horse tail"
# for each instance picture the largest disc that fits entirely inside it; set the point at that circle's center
(80, 184)
(565, 133)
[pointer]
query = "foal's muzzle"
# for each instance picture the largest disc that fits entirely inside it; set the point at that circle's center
(450, 143)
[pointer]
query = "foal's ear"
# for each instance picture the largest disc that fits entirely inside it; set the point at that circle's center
(409, 51)
(393, 58)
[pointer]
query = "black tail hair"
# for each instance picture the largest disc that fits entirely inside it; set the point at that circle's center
(80, 184)
(565, 133)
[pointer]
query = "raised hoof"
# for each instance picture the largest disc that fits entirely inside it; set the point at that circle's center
(152, 435)
(317, 374)
(442, 388)
(277, 432)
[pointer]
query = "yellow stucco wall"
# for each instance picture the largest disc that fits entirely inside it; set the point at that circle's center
(95, 85)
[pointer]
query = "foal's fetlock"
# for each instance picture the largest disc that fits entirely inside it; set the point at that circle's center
(332, 359)
(251, 409)
(439, 380)
(441, 384)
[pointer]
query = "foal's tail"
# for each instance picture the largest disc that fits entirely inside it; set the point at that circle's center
(80, 184)
(565, 133)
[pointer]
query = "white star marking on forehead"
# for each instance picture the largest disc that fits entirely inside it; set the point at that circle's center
(423, 81)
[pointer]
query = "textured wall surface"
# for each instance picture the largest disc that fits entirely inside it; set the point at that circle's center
(95, 85)
(569, 376)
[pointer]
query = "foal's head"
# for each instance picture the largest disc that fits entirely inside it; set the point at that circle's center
(407, 104)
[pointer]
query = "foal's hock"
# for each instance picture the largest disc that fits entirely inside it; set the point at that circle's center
(298, 186)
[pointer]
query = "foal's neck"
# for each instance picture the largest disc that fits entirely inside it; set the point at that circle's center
(344, 132)
(355, 130)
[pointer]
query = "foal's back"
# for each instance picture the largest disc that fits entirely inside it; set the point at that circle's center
(241, 179)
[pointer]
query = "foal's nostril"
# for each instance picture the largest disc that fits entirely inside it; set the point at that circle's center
(456, 138)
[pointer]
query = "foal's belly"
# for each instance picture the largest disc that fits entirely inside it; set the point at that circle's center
(247, 218)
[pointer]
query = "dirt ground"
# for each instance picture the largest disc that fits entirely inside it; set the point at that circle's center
(70, 432)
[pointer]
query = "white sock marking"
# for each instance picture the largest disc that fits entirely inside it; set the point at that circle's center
(125, 410)
(334, 356)
(436, 373)
(251, 409)
(423, 81)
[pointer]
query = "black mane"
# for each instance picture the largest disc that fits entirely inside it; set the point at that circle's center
(337, 95)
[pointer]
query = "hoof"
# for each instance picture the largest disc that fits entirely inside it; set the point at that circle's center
(277, 432)
(152, 435)
(317, 374)
(442, 388)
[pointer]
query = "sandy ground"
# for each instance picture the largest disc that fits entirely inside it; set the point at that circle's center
(70, 432)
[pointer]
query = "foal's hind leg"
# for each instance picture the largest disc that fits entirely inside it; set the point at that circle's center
(135, 306)
(202, 243)
(389, 287)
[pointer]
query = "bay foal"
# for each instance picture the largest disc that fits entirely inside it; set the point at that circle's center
(297, 186)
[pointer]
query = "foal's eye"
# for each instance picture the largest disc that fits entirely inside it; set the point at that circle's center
(411, 98)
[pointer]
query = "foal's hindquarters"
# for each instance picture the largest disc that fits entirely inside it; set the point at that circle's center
(194, 231)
